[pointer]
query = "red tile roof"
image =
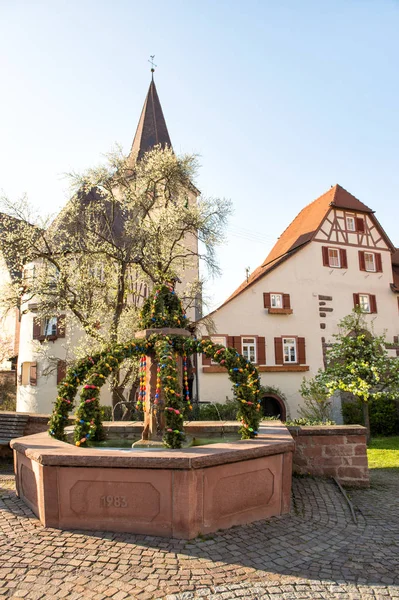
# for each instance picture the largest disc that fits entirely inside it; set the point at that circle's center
(302, 230)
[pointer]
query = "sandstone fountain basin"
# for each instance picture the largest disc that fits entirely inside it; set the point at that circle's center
(171, 493)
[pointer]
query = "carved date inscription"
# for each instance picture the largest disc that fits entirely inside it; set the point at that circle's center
(137, 500)
(115, 501)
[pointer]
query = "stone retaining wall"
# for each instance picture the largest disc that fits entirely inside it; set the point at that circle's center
(36, 424)
(338, 451)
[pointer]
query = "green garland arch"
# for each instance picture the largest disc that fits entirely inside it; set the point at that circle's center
(162, 309)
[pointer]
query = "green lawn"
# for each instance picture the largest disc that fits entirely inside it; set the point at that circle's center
(383, 452)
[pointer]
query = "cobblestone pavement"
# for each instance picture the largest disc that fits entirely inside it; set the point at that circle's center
(316, 552)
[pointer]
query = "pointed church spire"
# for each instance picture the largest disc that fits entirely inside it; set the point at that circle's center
(151, 129)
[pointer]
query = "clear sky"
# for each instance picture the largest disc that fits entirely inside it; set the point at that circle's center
(281, 99)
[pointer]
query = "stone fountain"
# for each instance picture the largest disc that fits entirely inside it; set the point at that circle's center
(169, 490)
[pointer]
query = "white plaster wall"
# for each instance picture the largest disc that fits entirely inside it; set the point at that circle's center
(40, 398)
(304, 277)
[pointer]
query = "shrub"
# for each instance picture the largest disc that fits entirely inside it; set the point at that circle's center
(317, 403)
(384, 417)
(304, 422)
(214, 412)
(8, 398)
(106, 413)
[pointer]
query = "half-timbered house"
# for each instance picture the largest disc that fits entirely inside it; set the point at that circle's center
(333, 256)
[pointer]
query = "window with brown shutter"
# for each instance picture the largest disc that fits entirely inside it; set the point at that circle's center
(61, 371)
(334, 257)
(344, 259)
(33, 374)
(360, 224)
(378, 262)
(278, 351)
(286, 301)
(61, 326)
(277, 303)
(301, 351)
(261, 351)
(362, 261)
(37, 328)
(366, 302)
(396, 339)
(266, 300)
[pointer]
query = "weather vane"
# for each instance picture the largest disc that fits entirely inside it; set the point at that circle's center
(153, 65)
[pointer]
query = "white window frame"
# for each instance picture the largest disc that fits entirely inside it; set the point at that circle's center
(350, 219)
(363, 304)
(337, 258)
(276, 300)
(373, 270)
(290, 343)
(218, 339)
(248, 342)
(50, 324)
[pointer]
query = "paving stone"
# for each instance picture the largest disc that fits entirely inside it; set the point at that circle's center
(316, 552)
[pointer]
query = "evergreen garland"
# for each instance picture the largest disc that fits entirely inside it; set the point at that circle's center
(174, 407)
(163, 308)
(92, 371)
(66, 394)
(244, 376)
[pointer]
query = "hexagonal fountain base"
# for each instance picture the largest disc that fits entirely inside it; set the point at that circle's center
(175, 493)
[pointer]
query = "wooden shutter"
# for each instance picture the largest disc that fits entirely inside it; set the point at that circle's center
(206, 362)
(362, 262)
(396, 339)
(373, 303)
(286, 301)
(356, 300)
(33, 374)
(61, 371)
(234, 341)
(378, 262)
(266, 300)
(278, 351)
(301, 351)
(237, 343)
(37, 328)
(359, 224)
(261, 351)
(344, 259)
(324, 250)
(61, 326)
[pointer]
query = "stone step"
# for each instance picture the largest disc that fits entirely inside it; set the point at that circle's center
(11, 426)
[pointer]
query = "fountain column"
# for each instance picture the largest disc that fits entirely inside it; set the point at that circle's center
(154, 408)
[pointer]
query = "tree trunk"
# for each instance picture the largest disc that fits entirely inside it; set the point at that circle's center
(366, 418)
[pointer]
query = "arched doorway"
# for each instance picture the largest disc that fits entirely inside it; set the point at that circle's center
(273, 406)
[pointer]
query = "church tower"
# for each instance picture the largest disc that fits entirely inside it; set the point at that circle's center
(37, 385)
(151, 130)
